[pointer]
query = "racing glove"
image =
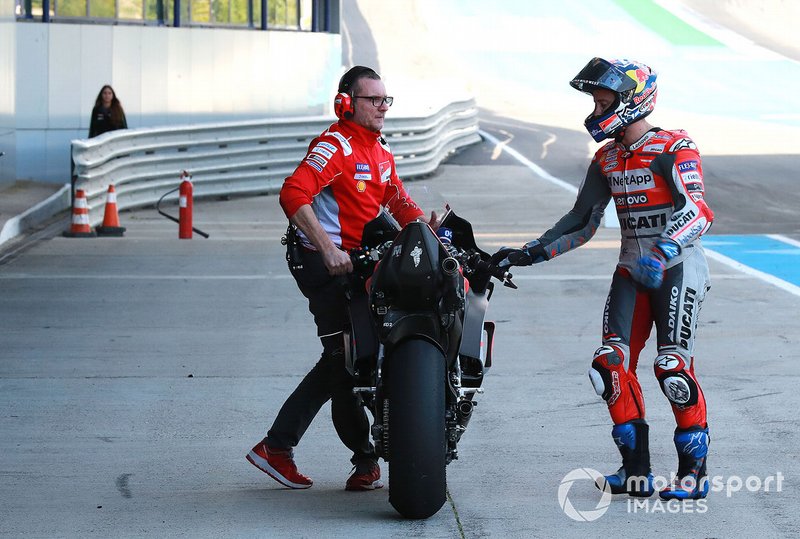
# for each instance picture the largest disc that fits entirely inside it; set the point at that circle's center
(649, 270)
(531, 253)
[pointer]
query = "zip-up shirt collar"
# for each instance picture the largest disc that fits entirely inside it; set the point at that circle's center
(361, 134)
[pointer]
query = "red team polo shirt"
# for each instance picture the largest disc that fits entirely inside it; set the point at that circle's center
(346, 176)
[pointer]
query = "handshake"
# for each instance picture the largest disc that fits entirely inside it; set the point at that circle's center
(649, 270)
(531, 253)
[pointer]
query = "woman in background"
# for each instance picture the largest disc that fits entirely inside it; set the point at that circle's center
(107, 114)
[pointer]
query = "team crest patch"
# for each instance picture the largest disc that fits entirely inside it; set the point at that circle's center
(385, 170)
(317, 158)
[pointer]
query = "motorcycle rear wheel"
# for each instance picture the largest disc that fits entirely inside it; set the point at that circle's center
(415, 382)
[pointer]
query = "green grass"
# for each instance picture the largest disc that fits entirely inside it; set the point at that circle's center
(666, 24)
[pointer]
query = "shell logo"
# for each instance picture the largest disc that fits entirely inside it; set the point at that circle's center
(361, 186)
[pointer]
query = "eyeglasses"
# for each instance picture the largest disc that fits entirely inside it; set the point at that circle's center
(377, 100)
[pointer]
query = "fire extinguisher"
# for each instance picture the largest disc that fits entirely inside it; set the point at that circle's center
(184, 218)
(185, 203)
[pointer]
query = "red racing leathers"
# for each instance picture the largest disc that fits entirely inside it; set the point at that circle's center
(347, 175)
(657, 188)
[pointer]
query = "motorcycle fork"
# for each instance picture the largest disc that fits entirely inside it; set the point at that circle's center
(378, 405)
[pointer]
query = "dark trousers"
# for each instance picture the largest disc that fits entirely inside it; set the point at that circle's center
(328, 379)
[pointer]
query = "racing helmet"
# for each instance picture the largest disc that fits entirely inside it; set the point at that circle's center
(634, 85)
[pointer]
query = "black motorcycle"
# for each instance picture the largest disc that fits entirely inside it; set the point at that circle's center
(419, 346)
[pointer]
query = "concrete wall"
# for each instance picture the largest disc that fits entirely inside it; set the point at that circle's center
(162, 76)
(7, 69)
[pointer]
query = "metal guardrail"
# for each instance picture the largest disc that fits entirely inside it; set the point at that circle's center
(244, 158)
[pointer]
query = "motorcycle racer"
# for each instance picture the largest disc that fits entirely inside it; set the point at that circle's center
(655, 178)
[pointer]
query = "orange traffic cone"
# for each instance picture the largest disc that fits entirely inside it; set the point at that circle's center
(80, 218)
(110, 226)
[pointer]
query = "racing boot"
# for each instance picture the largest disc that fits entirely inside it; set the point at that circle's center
(633, 477)
(691, 482)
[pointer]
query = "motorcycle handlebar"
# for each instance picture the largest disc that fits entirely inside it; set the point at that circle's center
(501, 274)
(366, 257)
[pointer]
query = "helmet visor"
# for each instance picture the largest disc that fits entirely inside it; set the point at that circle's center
(599, 73)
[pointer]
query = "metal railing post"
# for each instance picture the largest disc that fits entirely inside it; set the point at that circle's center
(263, 14)
(176, 13)
(159, 12)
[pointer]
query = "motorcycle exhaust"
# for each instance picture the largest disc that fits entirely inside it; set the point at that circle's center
(450, 266)
(464, 411)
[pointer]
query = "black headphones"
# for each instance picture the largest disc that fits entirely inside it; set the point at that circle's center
(343, 104)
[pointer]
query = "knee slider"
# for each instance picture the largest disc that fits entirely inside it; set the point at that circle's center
(601, 380)
(605, 380)
(677, 385)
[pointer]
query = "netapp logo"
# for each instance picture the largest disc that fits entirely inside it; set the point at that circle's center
(640, 180)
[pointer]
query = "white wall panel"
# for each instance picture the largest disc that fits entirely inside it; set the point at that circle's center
(240, 58)
(8, 162)
(203, 79)
(31, 144)
(126, 63)
(280, 58)
(8, 70)
(225, 59)
(163, 76)
(312, 55)
(58, 154)
(154, 77)
(258, 70)
(326, 64)
(96, 64)
(8, 61)
(179, 75)
(32, 76)
(64, 75)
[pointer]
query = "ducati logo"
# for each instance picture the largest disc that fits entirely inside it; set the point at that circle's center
(416, 252)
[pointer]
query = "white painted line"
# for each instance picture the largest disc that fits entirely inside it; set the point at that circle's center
(784, 239)
(609, 220)
(766, 277)
(498, 148)
(539, 171)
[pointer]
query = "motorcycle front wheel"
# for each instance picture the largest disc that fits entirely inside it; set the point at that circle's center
(415, 383)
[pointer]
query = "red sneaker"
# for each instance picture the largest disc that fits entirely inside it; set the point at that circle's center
(278, 464)
(366, 476)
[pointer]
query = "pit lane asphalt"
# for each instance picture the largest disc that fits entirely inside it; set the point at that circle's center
(137, 372)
